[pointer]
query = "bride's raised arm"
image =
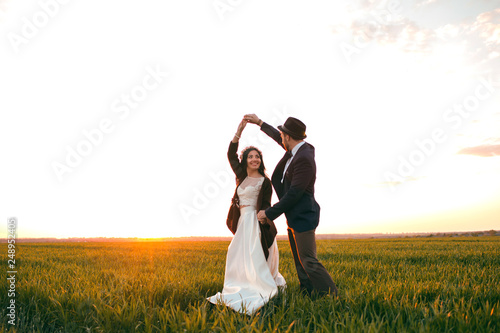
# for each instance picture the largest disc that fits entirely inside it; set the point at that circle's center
(240, 129)
(233, 149)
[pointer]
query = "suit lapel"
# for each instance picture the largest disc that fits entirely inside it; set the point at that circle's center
(278, 171)
(278, 174)
(294, 158)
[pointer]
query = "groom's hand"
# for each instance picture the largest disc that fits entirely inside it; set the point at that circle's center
(252, 118)
(261, 216)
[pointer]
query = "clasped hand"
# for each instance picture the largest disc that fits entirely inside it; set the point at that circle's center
(261, 216)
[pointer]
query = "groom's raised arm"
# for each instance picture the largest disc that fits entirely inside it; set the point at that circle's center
(265, 127)
(272, 132)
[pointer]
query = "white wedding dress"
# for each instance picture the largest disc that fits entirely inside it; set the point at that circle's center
(250, 280)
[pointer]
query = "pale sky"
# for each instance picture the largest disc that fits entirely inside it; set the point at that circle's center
(116, 116)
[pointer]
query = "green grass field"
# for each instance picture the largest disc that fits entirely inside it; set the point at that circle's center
(389, 285)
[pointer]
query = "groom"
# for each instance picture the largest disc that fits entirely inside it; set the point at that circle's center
(293, 180)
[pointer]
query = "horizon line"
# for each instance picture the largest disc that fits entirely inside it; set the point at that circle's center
(491, 232)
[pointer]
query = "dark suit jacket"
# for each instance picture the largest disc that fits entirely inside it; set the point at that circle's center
(268, 230)
(296, 193)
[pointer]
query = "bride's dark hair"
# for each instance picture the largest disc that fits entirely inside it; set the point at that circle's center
(244, 157)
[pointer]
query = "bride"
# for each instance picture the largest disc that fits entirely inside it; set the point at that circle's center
(252, 276)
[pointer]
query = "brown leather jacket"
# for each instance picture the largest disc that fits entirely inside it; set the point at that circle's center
(267, 230)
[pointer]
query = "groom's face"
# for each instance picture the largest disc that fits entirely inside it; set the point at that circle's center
(285, 139)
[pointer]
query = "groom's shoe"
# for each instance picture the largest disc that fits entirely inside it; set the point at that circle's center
(320, 294)
(305, 290)
(333, 291)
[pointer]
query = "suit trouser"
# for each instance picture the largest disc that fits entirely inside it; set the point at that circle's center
(312, 274)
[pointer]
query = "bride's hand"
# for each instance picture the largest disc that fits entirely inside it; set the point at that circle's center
(241, 127)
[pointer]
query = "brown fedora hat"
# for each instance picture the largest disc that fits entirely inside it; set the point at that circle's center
(294, 127)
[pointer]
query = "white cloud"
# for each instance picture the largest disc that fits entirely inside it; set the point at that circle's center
(474, 46)
(423, 3)
(482, 150)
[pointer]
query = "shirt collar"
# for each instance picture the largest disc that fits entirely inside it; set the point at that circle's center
(294, 150)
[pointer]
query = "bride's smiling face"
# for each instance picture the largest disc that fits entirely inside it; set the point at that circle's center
(253, 160)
